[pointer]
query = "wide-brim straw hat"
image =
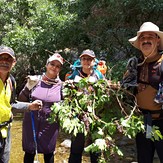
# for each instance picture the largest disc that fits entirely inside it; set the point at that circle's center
(147, 27)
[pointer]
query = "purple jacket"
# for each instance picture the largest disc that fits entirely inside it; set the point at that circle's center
(46, 134)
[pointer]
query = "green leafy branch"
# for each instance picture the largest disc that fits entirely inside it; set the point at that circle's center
(99, 111)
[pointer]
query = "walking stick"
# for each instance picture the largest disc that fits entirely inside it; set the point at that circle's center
(34, 136)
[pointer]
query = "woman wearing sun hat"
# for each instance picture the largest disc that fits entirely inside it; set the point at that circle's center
(47, 89)
(149, 40)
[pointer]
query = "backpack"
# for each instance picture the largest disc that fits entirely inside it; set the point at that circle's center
(13, 88)
(130, 78)
(159, 95)
(77, 64)
(76, 72)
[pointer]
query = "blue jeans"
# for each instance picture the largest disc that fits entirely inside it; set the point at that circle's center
(5, 147)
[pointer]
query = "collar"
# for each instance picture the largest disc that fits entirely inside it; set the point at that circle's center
(153, 58)
(4, 78)
(50, 81)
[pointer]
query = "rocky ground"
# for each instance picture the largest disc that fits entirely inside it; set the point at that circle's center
(126, 145)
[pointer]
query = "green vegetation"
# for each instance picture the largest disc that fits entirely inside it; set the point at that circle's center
(70, 26)
(105, 26)
(99, 112)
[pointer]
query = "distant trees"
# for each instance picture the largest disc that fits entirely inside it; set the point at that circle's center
(105, 26)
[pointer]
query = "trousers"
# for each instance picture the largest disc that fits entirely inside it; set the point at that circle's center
(5, 147)
(146, 147)
(29, 158)
(77, 148)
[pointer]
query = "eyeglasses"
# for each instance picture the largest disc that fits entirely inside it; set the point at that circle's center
(55, 65)
(8, 59)
(150, 37)
(89, 59)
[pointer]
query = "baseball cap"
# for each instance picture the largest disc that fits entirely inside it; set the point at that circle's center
(7, 50)
(89, 53)
(56, 57)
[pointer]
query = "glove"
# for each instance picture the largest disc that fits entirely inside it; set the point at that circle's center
(130, 77)
(32, 81)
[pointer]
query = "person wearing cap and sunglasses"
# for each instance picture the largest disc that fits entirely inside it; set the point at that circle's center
(87, 69)
(149, 41)
(47, 88)
(7, 100)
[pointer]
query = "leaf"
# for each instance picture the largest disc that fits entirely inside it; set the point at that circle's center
(90, 109)
(100, 132)
(101, 144)
(66, 122)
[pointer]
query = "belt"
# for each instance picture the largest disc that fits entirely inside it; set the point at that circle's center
(148, 120)
(6, 123)
(145, 111)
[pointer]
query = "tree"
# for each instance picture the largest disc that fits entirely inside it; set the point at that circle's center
(105, 26)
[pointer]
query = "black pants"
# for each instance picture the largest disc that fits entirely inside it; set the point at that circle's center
(29, 158)
(146, 147)
(77, 148)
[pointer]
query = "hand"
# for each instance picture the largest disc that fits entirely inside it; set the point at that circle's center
(69, 81)
(35, 105)
(114, 85)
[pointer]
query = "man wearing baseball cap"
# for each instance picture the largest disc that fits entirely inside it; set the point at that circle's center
(149, 40)
(7, 89)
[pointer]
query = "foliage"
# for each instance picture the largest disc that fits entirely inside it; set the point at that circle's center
(31, 27)
(105, 26)
(116, 70)
(94, 109)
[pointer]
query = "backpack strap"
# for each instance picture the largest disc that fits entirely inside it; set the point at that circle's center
(74, 73)
(13, 89)
(161, 69)
(99, 74)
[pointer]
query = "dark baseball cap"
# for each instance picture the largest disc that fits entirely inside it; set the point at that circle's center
(7, 50)
(89, 53)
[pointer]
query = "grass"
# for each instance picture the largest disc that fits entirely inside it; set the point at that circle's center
(16, 155)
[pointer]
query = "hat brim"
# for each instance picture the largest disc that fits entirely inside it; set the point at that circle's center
(8, 54)
(134, 40)
(87, 55)
(56, 59)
